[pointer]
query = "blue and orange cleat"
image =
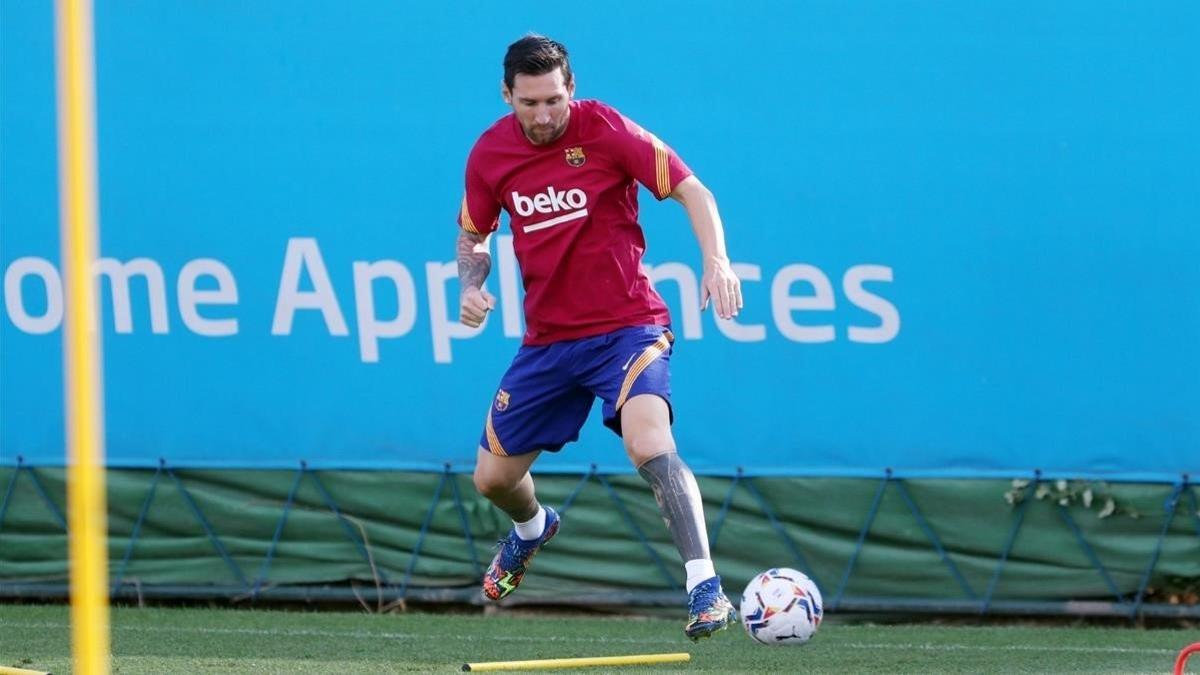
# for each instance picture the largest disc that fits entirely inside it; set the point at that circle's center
(512, 560)
(708, 609)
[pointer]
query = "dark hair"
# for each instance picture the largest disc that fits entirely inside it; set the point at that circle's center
(535, 55)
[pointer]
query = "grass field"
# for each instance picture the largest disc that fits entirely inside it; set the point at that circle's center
(161, 640)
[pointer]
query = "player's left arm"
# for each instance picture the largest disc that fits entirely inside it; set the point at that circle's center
(719, 281)
(655, 165)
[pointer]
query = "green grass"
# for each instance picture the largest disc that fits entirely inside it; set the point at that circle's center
(255, 641)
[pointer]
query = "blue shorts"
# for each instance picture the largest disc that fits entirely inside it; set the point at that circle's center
(548, 391)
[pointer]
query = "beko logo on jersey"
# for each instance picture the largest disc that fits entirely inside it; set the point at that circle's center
(550, 201)
(573, 201)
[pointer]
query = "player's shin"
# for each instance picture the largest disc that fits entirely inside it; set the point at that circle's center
(678, 499)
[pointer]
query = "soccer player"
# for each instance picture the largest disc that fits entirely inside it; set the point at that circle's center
(567, 173)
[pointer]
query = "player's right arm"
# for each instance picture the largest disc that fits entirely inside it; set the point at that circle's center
(477, 219)
(474, 263)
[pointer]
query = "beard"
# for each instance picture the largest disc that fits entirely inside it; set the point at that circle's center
(544, 134)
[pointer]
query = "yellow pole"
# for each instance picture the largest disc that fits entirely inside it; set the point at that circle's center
(631, 660)
(82, 374)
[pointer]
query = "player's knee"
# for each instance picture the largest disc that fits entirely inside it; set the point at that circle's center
(485, 484)
(491, 483)
(646, 425)
(646, 444)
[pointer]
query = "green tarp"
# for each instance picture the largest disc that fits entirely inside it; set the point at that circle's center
(817, 525)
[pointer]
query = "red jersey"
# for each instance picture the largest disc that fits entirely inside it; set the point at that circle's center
(573, 210)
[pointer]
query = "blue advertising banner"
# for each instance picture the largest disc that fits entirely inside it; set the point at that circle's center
(969, 233)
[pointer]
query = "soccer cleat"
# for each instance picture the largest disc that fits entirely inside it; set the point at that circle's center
(708, 609)
(512, 560)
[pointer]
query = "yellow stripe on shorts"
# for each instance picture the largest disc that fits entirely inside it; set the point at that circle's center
(493, 440)
(649, 354)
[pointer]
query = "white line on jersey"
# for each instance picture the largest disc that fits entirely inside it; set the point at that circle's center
(581, 213)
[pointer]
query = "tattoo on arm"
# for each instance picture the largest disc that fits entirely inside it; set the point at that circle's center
(474, 261)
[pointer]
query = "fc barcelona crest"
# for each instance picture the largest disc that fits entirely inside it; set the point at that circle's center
(501, 401)
(575, 156)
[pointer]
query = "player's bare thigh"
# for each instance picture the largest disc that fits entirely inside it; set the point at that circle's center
(646, 428)
(496, 473)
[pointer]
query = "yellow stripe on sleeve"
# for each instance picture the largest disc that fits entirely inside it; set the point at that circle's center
(661, 170)
(465, 217)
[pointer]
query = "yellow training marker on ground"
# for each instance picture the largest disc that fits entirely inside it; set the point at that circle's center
(7, 670)
(631, 660)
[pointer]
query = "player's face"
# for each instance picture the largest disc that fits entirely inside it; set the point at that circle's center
(541, 103)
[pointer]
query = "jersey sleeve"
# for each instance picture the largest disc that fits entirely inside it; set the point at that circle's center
(479, 212)
(650, 161)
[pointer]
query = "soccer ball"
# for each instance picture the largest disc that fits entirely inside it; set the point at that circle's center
(781, 607)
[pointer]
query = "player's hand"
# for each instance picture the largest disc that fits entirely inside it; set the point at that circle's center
(722, 286)
(474, 304)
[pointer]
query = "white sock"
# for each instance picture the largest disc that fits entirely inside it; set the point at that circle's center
(698, 570)
(532, 528)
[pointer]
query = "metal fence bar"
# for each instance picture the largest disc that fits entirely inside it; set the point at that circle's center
(416, 554)
(12, 483)
(137, 529)
(344, 522)
(712, 540)
(466, 525)
(287, 509)
(41, 490)
(208, 530)
(787, 540)
(1008, 545)
(1195, 507)
(1091, 553)
(578, 488)
(614, 598)
(662, 566)
(937, 543)
(862, 538)
(1169, 505)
